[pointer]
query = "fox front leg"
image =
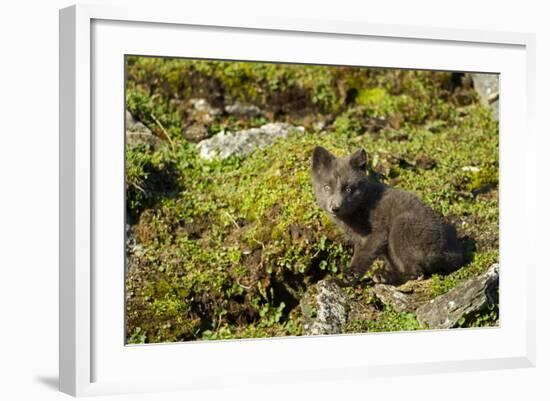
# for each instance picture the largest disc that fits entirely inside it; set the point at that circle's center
(364, 255)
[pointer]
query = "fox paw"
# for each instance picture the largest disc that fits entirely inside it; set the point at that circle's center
(350, 279)
(381, 278)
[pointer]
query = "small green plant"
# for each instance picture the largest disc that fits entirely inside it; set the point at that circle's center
(387, 320)
(137, 337)
(390, 320)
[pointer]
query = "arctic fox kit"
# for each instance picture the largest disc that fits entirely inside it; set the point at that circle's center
(382, 222)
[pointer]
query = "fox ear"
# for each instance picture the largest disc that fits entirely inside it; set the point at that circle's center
(322, 158)
(358, 160)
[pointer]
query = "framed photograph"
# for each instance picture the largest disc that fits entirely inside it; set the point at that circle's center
(293, 200)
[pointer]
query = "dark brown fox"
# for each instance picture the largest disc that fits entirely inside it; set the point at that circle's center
(382, 222)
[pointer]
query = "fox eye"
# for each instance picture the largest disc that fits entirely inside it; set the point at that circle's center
(348, 190)
(326, 188)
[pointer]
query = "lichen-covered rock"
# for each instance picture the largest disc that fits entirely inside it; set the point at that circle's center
(242, 143)
(487, 87)
(324, 308)
(240, 109)
(133, 125)
(390, 295)
(461, 302)
(196, 132)
(138, 133)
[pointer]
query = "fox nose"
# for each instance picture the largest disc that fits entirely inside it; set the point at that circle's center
(334, 207)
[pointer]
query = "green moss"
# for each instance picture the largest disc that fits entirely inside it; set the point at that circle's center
(151, 109)
(151, 175)
(387, 320)
(372, 97)
(350, 123)
(258, 83)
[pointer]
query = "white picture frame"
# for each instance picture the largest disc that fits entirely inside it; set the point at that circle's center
(93, 357)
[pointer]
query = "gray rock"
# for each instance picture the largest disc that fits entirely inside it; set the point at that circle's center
(196, 132)
(133, 125)
(240, 109)
(390, 295)
(464, 300)
(199, 116)
(319, 125)
(487, 87)
(242, 143)
(202, 105)
(325, 308)
(133, 248)
(138, 133)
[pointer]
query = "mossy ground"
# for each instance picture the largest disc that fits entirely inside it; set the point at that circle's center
(227, 248)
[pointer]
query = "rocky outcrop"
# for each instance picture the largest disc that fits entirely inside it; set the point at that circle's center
(202, 106)
(132, 245)
(487, 87)
(200, 114)
(324, 309)
(196, 132)
(138, 133)
(244, 110)
(390, 295)
(242, 143)
(460, 303)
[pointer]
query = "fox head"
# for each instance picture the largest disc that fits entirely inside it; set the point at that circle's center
(338, 181)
